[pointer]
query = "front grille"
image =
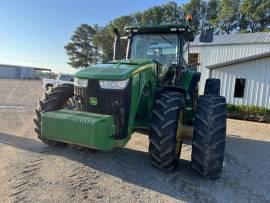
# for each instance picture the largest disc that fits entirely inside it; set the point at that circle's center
(109, 102)
(81, 98)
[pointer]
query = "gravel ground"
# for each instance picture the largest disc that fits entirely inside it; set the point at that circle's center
(30, 171)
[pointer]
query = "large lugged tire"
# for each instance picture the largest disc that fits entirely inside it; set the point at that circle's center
(209, 136)
(212, 87)
(51, 102)
(165, 116)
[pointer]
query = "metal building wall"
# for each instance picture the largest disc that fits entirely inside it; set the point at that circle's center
(257, 88)
(9, 72)
(27, 73)
(210, 55)
(15, 72)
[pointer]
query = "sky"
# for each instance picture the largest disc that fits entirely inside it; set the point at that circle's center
(34, 32)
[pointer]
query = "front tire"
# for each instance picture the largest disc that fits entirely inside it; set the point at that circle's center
(162, 137)
(51, 102)
(209, 136)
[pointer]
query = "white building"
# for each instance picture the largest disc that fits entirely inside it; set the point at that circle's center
(241, 61)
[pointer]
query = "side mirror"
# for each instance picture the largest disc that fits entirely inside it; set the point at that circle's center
(206, 35)
(117, 45)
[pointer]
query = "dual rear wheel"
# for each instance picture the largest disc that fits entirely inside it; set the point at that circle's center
(162, 146)
(209, 134)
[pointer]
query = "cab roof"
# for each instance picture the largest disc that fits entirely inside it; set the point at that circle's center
(169, 28)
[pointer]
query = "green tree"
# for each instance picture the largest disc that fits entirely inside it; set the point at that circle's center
(80, 50)
(197, 8)
(163, 14)
(153, 15)
(104, 38)
(229, 15)
(172, 13)
(212, 11)
(257, 14)
(166, 13)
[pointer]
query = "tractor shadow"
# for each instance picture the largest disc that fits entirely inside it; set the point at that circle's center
(134, 166)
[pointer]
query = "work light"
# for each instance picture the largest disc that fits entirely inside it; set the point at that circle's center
(80, 82)
(116, 84)
(173, 29)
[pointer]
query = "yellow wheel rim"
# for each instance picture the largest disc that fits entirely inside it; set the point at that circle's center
(179, 138)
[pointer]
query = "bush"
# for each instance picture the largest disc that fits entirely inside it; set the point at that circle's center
(250, 113)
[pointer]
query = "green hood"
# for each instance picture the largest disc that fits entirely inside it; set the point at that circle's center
(115, 70)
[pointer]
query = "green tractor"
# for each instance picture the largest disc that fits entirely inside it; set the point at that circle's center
(154, 91)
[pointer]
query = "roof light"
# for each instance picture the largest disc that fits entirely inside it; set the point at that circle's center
(173, 29)
(135, 30)
(181, 29)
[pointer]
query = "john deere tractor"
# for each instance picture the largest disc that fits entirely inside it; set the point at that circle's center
(154, 91)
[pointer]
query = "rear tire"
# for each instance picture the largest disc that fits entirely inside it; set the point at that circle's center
(162, 136)
(212, 87)
(52, 102)
(209, 136)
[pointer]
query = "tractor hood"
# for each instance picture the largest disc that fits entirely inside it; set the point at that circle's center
(115, 70)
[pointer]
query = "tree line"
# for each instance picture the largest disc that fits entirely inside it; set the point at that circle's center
(92, 43)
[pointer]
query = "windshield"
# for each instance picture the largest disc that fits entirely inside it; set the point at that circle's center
(162, 48)
(66, 77)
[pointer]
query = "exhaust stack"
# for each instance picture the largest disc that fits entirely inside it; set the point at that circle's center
(117, 45)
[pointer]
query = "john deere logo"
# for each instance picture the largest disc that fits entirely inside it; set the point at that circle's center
(93, 101)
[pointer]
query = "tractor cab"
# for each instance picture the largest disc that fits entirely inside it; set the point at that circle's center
(166, 45)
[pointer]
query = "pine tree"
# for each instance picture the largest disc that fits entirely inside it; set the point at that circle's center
(81, 50)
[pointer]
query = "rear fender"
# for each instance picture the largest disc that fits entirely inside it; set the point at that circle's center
(190, 80)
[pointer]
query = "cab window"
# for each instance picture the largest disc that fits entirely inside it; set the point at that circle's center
(162, 48)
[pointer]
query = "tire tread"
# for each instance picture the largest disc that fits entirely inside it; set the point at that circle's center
(209, 137)
(163, 129)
